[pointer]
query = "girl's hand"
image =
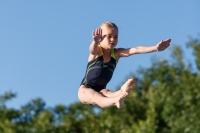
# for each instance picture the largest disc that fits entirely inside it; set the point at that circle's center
(97, 35)
(162, 45)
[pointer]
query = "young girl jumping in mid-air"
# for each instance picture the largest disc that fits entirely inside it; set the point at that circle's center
(102, 61)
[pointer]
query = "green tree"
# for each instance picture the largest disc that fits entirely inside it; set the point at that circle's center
(7, 115)
(165, 100)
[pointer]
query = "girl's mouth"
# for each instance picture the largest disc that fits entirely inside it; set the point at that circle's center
(112, 44)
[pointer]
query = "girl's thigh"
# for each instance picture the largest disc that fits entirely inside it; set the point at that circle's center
(88, 95)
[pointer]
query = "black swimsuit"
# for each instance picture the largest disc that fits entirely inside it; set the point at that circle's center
(99, 73)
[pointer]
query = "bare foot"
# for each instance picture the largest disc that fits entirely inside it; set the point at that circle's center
(120, 100)
(130, 83)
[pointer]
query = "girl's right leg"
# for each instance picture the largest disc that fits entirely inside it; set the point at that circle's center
(90, 96)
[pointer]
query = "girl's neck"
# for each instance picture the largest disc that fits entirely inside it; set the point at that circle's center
(106, 51)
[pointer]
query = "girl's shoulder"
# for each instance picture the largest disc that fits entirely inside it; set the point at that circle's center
(118, 51)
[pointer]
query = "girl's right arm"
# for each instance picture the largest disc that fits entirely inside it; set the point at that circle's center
(94, 50)
(97, 37)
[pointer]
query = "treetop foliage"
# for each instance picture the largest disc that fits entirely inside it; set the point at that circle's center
(165, 100)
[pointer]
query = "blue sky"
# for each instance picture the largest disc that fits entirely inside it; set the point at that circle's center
(44, 44)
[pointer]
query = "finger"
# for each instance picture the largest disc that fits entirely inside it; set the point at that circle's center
(100, 31)
(161, 42)
(93, 33)
(96, 32)
(168, 40)
(103, 37)
(167, 45)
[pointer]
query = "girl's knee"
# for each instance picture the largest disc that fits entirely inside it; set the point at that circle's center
(81, 95)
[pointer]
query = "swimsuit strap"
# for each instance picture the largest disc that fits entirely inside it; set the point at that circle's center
(113, 53)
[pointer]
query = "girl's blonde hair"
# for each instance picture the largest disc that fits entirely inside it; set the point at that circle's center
(109, 25)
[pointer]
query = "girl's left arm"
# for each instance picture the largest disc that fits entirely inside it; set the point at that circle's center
(162, 45)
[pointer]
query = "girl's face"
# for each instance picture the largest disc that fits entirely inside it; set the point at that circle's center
(110, 38)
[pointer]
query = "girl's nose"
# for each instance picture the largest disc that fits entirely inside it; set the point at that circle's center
(112, 39)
